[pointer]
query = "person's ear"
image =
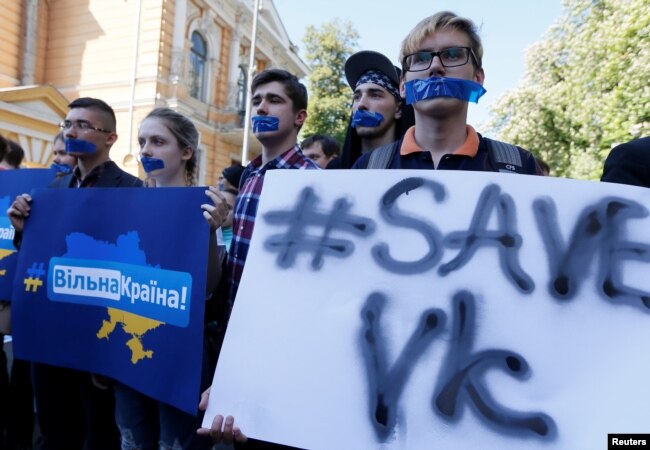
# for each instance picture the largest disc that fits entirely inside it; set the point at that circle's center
(479, 76)
(398, 110)
(301, 117)
(187, 154)
(111, 138)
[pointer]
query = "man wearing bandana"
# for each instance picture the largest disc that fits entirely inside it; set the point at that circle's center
(441, 72)
(379, 116)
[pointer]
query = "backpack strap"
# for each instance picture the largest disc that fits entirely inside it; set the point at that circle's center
(381, 157)
(504, 157)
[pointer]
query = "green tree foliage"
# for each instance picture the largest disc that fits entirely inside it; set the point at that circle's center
(330, 99)
(586, 87)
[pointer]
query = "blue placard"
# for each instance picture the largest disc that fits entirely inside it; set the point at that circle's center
(13, 183)
(112, 281)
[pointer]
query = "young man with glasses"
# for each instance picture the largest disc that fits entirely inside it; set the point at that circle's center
(75, 410)
(90, 124)
(441, 72)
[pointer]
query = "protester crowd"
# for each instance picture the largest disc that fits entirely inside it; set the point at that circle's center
(408, 117)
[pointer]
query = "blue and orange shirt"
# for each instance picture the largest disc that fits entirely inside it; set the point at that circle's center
(472, 155)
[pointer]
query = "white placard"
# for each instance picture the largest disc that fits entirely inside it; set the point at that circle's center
(440, 309)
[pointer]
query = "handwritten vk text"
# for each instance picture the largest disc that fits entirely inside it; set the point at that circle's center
(460, 382)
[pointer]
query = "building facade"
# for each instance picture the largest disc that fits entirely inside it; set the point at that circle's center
(189, 55)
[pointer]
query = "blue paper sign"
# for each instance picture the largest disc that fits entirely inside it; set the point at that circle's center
(13, 183)
(112, 281)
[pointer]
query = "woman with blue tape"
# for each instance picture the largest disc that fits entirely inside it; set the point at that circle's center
(168, 152)
(62, 162)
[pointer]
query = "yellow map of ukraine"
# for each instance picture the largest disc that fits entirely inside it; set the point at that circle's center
(134, 326)
(126, 249)
(3, 254)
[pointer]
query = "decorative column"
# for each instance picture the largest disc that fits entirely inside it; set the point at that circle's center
(178, 40)
(31, 38)
(233, 69)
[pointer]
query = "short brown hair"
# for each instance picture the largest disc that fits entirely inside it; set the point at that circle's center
(295, 90)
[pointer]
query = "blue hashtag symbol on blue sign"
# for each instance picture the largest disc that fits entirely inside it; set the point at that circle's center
(37, 270)
(33, 281)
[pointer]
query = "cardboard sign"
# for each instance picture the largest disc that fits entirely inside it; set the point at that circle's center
(432, 309)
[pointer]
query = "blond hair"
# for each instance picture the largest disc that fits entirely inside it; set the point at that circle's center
(186, 135)
(440, 21)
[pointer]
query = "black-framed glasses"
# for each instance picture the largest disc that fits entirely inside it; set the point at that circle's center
(82, 125)
(449, 57)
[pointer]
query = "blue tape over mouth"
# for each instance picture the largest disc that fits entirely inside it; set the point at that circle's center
(151, 164)
(433, 87)
(61, 168)
(265, 123)
(79, 146)
(363, 118)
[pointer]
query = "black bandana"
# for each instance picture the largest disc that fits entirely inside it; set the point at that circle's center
(381, 79)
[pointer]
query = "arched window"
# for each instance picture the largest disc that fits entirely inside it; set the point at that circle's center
(198, 61)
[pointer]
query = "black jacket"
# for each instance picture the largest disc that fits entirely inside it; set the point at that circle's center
(112, 176)
(629, 163)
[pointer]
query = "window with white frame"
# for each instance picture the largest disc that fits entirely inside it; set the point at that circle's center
(198, 66)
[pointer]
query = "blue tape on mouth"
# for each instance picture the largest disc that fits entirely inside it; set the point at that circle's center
(265, 123)
(363, 118)
(151, 164)
(433, 87)
(61, 168)
(79, 146)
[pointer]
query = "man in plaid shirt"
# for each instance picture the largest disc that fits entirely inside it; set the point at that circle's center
(279, 109)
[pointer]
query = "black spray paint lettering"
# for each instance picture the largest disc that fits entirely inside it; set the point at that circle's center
(599, 236)
(599, 231)
(391, 213)
(505, 238)
(460, 377)
(297, 240)
(386, 385)
(460, 380)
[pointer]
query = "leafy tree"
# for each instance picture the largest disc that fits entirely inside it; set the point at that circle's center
(586, 87)
(326, 50)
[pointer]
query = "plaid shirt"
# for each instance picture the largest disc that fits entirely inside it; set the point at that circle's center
(246, 208)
